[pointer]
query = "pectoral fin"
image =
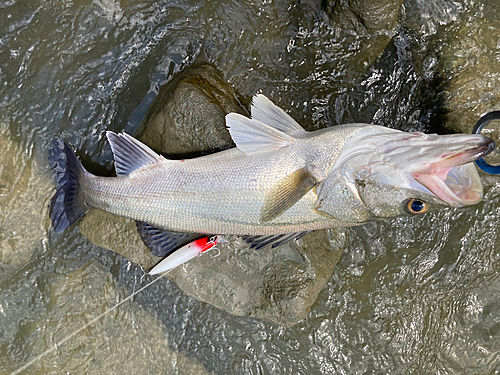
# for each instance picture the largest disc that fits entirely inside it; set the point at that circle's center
(287, 192)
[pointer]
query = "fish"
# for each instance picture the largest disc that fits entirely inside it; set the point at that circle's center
(279, 182)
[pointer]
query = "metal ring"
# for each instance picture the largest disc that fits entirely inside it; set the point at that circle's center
(483, 121)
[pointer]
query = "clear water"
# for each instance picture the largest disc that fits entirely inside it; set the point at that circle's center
(412, 295)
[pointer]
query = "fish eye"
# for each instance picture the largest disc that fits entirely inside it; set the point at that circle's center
(416, 206)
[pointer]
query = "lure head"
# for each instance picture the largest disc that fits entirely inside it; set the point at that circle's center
(389, 173)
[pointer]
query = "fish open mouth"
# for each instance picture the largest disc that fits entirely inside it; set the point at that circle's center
(439, 165)
(452, 176)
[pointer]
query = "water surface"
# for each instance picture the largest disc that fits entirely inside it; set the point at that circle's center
(412, 295)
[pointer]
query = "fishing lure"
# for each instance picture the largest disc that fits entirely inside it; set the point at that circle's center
(185, 253)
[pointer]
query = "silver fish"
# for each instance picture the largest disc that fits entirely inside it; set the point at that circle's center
(279, 180)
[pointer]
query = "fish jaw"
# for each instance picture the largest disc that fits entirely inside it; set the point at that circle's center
(450, 174)
(457, 186)
(387, 168)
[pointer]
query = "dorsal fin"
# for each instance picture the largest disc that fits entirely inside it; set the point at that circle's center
(253, 136)
(265, 111)
(129, 153)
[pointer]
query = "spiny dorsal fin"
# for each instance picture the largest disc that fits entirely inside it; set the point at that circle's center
(286, 193)
(266, 112)
(129, 153)
(253, 136)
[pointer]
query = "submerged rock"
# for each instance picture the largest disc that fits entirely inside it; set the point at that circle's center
(368, 23)
(372, 16)
(277, 285)
(23, 186)
(118, 234)
(470, 68)
(129, 340)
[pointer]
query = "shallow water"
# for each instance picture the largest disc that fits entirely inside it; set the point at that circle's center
(412, 295)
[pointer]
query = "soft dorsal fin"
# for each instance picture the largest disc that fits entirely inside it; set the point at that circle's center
(129, 153)
(253, 136)
(265, 111)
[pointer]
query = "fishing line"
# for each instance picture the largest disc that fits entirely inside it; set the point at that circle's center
(50, 350)
(57, 345)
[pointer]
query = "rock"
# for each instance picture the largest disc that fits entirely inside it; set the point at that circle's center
(118, 234)
(368, 23)
(80, 297)
(470, 69)
(277, 285)
(364, 16)
(187, 116)
(23, 188)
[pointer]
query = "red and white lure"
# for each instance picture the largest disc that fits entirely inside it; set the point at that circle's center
(185, 253)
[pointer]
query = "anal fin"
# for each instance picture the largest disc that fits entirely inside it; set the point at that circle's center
(258, 242)
(163, 242)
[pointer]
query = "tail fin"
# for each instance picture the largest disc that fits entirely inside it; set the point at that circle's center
(67, 204)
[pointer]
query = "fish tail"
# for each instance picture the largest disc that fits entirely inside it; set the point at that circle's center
(67, 204)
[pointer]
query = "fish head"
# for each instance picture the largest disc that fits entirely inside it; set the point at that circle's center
(387, 174)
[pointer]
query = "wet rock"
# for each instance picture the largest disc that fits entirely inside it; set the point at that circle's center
(470, 69)
(187, 116)
(23, 187)
(117, 233)
(278, 285)
(364, 16)
(129, 339)
(368, 23)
